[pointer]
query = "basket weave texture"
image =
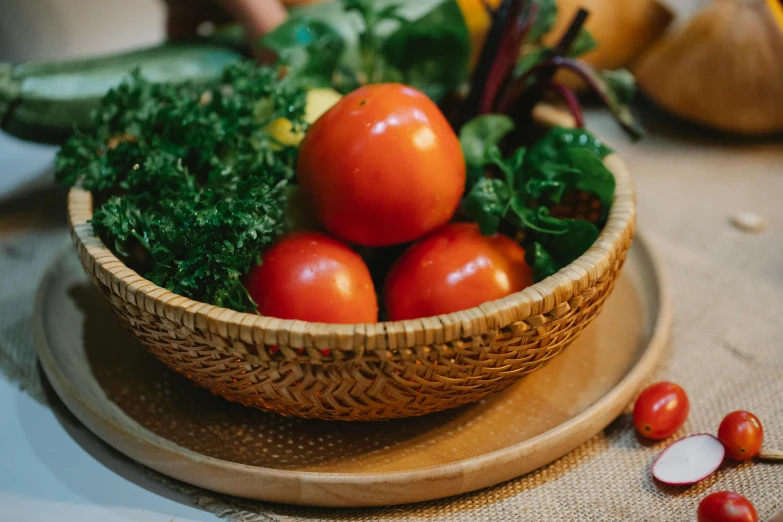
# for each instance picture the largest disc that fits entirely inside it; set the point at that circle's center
(364, 371)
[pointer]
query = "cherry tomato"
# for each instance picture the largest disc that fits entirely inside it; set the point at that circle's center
(741, 434)
(660, 410)
(725, 506)
(312, 277)
(453, 269)
(382, 166)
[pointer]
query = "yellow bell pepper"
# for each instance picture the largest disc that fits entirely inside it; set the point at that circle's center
(318, 102)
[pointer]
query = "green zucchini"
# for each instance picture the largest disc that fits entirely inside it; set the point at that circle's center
(45, 101)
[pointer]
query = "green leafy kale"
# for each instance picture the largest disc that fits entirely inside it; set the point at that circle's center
(528, 189)
(346, 44)
(189, 187)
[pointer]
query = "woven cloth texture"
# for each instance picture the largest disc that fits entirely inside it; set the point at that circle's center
(727, 294)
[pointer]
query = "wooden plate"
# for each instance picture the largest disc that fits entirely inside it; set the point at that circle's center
(160, 419)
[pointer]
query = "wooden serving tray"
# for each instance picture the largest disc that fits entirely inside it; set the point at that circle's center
(157, 417)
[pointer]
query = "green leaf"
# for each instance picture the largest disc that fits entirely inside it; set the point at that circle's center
(536, 219)
(550, 147)
(481, 133)
(622, 83)
(423, 43)
(545, 19)
(547, 189)
(571, 168)
(584, 43)
(542, 263)
(479, 139)
(530, 56)
(589, 174)
(432, 52)
(548, 253)
(487, 203)
(509, 167)
(312, 48)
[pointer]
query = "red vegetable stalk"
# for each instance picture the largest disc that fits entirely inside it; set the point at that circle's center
(493, 88)
(513, 101)
(507, 56)
(571, 101)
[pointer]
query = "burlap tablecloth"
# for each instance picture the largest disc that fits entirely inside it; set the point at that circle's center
(727, 288)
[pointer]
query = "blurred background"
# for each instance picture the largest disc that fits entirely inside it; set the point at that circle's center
(59, 29)
(56, 29)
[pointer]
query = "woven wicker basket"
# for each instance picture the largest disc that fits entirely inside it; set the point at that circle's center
(373, 371)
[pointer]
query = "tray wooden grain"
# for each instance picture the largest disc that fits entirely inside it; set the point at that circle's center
(160, 419)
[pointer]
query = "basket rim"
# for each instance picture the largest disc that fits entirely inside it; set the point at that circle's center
(538, 299)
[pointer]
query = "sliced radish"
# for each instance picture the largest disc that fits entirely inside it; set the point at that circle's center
(689, 460)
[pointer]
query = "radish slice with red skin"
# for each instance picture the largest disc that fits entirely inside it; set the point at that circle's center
(689, 460)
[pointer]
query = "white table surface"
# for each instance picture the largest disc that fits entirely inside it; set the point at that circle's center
(51, 468)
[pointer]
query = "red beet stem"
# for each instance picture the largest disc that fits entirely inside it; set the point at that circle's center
(571, 101)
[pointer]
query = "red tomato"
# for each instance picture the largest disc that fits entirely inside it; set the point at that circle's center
(382, 166)
(725, 506)
(453, 269)
(660, 410)
(312, 277)
(742, 434)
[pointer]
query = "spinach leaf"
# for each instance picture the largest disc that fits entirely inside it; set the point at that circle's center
(552, 145)
(546, 189)
(487, 203)
(477, 137)
(524, 187)
(573, 157)
(549, 253)
(536, 219)
(537, 257)
(587, 173)
(509, 167)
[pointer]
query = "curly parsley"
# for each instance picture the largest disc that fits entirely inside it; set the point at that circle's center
(189, 186)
